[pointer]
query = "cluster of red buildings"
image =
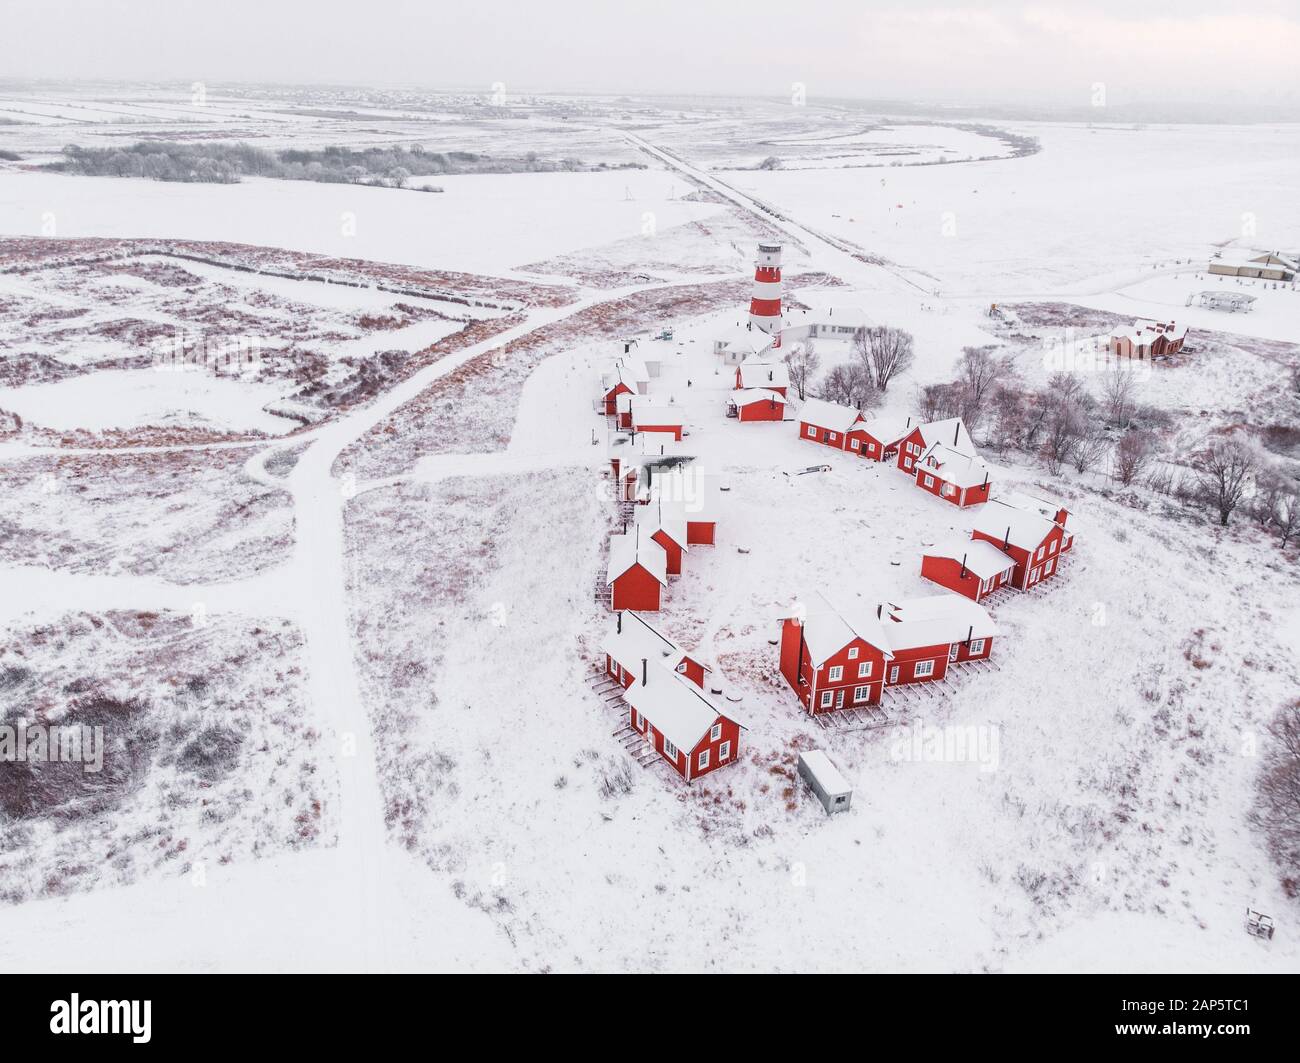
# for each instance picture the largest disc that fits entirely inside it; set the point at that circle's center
(939, 456)
(668, 705)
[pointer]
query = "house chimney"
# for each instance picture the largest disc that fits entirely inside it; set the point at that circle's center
(879, 609)
(986, 481)
(1006, 543)
(956, 431)
(963, 567)
(620, 621)
(970, 633)
(645, 672)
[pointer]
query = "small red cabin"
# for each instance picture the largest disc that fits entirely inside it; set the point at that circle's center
(681, 723)
(631, 644)
(768, 376)
(827, 423)
(666, 525)
(962, 479)
(973, 568)
(759, 404)
(637, 573)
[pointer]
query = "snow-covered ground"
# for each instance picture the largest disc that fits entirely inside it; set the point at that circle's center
(400, 619)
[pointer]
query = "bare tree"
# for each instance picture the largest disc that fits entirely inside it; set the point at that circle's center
(938, 402)
(1119, 395)
(803, 361)
(886, 351)
(1225, 471)
(980, 371)
(1286, 518)
(1269, 488)
(1090, 447)
(1064, 428)
(1132, 455)
(850, 385)
(1277, 796)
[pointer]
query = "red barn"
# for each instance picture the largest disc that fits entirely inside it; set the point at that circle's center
(920, 438)
(971, 567)
(666, 525)
(759, 404)
(631, 644)
(638, 571)
(681, 722)
(1030, 539)
(962, 479)
(770, 376)
(879, 438)
(827, 423)
(834, 659)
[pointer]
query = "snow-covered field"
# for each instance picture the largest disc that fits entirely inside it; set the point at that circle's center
(384, 621)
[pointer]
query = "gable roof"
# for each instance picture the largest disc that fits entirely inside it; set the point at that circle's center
(1044, 507)
(670, 519)
(741, 338)
(828, 628)
(760, 374)
(951, 432)
(963, 470)
(635, 548)
(1017, 526)
(631, 639)
(886, 428)
(830, 415)
(980, 556)
(675, 707)
(937, 620)
(749, 396)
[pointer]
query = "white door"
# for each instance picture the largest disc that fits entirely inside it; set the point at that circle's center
(893, 675)
(952, 652)
(839, 699)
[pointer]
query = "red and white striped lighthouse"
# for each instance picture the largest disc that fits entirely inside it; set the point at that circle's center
(765, 304)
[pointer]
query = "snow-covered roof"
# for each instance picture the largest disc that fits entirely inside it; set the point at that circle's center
(675, 706)
(962, 470)
(951, 432)
(828, 776)
(1011, 524)
(937, 620)
(634, 368)
(618, 375)
(670, 519)
(630, 639)
(1144, 331)
(744, 339)
(828, 628)
(636, 548)
(830, 415)
(754, 373)
(887, 428)
(749, 396)
(842, 316)
(651, 409)
(687, 488)
(1044, 507)
(983, 558)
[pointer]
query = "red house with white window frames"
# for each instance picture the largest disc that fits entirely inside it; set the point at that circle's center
(637, 572)
(681, 723)
(972, 568)
(920, 438)
(832, 658)
(631, 642)
(826, 423)
(961, 479)
(1031, 540)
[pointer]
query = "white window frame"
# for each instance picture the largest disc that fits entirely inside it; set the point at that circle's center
(724, 751)
(1050, 567)
(812, 431)
(923, 668)
(976, 647)
(928, 480)
(827, 695)
(854, 445)
(853, 653)
(871, 448)
(834, 437)
(864, 669)
(702, 761)
(715, 732)
(861, 694)
(836, 673)
(1051, 547)
(670, 750)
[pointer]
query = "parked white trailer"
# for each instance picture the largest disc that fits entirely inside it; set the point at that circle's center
(825, 780)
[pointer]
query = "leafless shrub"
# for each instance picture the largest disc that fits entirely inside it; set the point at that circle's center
(1132, 454)
(1119, 395)
(802, 361)
(1277, 793)
(850, 385)
(616, 780)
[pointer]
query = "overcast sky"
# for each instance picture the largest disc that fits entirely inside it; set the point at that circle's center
(1143, 51)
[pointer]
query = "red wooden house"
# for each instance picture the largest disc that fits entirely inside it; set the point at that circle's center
(681, 722)
(631, 645)
(666, 525)
(879, 438)
(971, 567)
(832, 658)
(926, 635)
(920, 438)
(650, 413)
(637, 572)
(962, 479)
(758, 404)
(827, 423)
(770, 376)
(1032, 541)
